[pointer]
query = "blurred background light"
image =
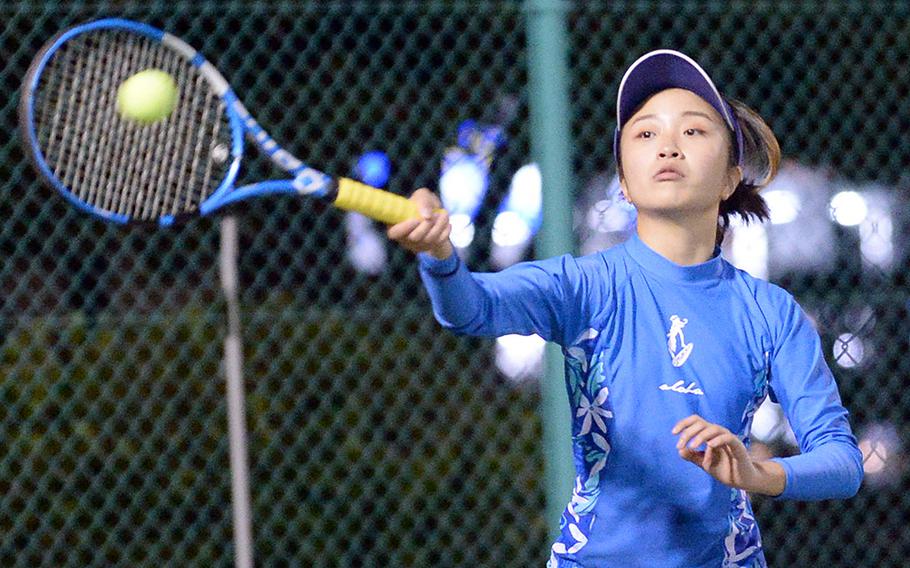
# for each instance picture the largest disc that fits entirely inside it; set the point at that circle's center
(519, 217)
(510, 229)
(783, 205)
(849, 350)
(520, 357)
(800, 238)
(848, 208)
(770, 425)
(463, 184)
(876, 231)
(464, 176)
(747, 247)
(603, 217)
(366, 246)
(462, 187)
(462, 234)
(373, 168)
(883, 459)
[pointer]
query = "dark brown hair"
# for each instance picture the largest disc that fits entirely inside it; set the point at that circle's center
(761, 153)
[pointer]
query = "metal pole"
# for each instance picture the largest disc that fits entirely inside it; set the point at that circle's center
(233, 369)
(548, 102)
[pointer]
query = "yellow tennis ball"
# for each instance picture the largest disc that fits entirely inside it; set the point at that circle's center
(147, 96)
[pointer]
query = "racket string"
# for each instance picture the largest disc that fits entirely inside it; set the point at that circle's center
(164, 200)
(71, 125)
(104, 126)
(200, 148)
(82, 147)
(115, 176)
(184, 130)
(142, 160)
(167, 196)
(141, 171)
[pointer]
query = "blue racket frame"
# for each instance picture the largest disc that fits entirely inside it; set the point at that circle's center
(305, 180)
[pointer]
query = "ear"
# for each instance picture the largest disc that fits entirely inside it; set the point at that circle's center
(625, 189)
(736, 177)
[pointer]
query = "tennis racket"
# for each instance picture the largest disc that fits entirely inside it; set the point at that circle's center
(183, 165)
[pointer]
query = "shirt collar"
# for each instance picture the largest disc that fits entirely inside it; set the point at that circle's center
(653, 262)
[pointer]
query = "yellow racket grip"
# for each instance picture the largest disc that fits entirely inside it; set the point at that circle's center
(374, 203)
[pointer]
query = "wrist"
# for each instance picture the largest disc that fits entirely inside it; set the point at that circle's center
(771, 478)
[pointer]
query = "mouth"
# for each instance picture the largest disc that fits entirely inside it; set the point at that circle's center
(668, 174)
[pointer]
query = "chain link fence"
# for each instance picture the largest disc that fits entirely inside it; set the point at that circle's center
(375, 439)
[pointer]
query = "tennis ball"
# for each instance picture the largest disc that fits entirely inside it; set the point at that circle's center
(147, 96)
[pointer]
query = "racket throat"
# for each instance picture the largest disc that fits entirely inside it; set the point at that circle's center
(314, 183)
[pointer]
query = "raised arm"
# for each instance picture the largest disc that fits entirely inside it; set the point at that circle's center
(543, 297)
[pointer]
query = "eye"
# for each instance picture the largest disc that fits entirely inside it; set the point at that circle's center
(693, 131)
(645, 134)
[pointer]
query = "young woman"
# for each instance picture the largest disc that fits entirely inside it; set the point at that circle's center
(669, 348)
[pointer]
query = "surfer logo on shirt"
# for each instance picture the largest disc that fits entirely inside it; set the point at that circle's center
(676, 341)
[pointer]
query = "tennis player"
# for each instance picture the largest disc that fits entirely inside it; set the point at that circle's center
(669, 349)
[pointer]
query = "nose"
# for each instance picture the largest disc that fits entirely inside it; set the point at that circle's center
(668, 147)
(669, 151)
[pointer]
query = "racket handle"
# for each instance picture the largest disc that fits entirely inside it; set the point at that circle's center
(374, 203)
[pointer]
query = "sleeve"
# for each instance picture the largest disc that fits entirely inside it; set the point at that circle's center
(830, 465)
(544, 297)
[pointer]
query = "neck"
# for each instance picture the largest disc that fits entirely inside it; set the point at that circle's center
(685, 242)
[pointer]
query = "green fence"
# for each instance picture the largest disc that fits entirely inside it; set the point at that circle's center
(375, 439)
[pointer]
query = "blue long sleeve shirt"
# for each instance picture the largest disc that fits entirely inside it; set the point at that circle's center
(648, 342)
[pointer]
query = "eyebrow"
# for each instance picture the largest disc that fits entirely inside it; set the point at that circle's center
(687, 113)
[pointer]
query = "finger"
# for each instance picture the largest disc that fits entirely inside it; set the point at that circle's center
(708, 461)
(401, 230)
(419, 235)
(439, 226)
(722, 440)
(686, 435)
(689, 422)
(446, 233)
(709, 433)
(732, 443)
(685, 422)
(689, 433)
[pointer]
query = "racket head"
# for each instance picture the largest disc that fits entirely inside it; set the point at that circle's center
(117, 169)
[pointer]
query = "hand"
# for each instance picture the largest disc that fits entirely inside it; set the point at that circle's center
(428, 233)
(725, 457)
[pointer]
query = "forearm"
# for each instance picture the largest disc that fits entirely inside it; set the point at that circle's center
(456, 297)
(525, 298)
(771, 478)
(830, 471)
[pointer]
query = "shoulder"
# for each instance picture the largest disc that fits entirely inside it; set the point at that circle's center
(766, 293)
(602, 271)
(776, 305)
(612, 260)
(597, 264)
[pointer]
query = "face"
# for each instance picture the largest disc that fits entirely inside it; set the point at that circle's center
(675, 154)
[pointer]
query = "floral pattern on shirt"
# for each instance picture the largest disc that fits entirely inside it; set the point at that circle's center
(742, 545)
(589, 397)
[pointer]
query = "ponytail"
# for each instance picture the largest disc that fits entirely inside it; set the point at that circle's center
(762, 160)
